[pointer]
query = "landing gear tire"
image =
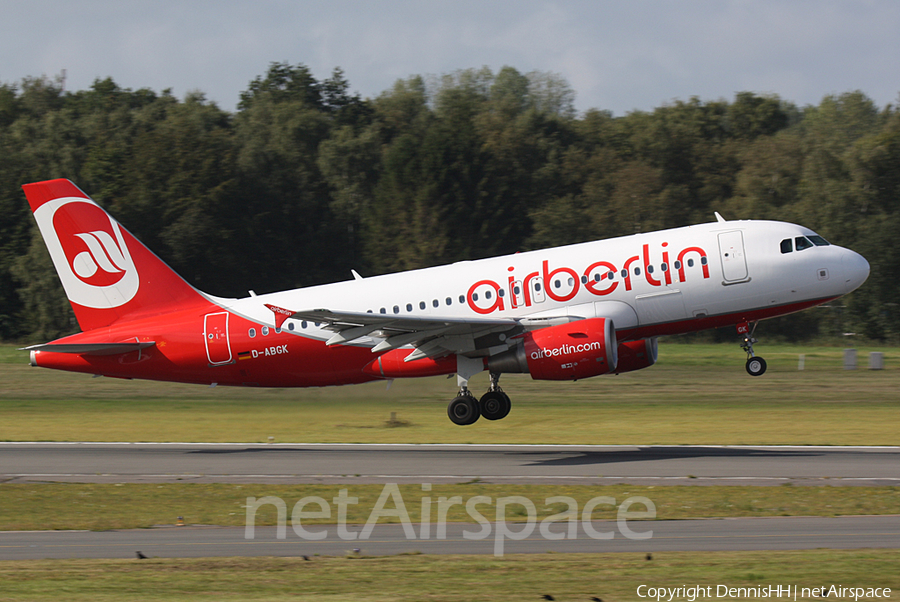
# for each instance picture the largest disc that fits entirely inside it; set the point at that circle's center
(495, 405)
(463, 410)
(756, 366)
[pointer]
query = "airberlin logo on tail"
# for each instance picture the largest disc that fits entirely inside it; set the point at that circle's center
(103, 256)
(89, 253)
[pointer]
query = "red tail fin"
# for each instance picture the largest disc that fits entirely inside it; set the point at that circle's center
(106, 272)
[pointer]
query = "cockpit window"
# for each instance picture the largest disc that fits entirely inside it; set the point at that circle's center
(802, 243)
(818, 240)
(787, 245)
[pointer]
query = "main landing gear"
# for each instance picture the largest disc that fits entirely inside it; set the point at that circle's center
(756, 366)
(493, 405)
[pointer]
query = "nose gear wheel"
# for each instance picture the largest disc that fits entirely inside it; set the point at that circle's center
(756, 366)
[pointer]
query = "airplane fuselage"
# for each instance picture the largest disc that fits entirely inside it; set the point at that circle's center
(660, 283)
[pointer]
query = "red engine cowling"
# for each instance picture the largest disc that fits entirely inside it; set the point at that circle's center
(635, 355)
(565, 352)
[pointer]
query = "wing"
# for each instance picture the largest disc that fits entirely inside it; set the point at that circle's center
(432, 336)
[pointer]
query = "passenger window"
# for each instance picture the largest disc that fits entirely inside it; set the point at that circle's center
(421, 305)
(409, 307)
(557, 283)
(436, 303)
(802, 243)
(396, 309)
(449, 301)
(677, 265)
(291, 327)
(462, 299)
(382, 310)
(501, 292)
(265, 331)
(690, 263)
(818, 241)
(487, 295)
(649, 269)
(637, 271)
(703, 260)
(252, 333)
(787, 245)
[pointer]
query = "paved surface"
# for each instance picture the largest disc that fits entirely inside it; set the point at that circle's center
(686, 535)
(306, 463)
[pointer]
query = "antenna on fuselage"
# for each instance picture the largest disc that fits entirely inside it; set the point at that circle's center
(719, 218)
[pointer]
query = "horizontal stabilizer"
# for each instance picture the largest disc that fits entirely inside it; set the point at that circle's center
(91, 348)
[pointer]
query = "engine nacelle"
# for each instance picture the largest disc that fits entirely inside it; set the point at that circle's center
(565, 352)
(635, 355)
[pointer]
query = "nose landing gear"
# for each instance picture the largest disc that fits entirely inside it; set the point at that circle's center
(756, 366)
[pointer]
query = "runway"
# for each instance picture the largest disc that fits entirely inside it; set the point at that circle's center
(557, 464)
(350, 463)
(666, 536)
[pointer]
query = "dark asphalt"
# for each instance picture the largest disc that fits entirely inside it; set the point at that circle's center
(306, 463)
(686, 535)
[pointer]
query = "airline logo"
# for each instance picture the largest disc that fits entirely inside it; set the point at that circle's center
(599, 278)
(562, 350)
(89, 252)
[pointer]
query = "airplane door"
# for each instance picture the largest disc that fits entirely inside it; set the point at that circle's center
(731, 253)
(537, 289)
(215, 333)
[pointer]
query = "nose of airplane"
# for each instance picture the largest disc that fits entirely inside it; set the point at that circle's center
(856, 269)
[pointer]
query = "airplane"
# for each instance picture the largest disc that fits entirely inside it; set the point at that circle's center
(563, 313)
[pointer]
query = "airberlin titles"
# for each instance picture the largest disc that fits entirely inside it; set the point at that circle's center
(600, 278)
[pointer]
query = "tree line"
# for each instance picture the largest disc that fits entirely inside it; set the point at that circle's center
(306, 181)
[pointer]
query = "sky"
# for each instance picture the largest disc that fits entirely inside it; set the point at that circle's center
(617, 55)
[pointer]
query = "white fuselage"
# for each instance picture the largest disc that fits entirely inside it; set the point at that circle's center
(658, 279)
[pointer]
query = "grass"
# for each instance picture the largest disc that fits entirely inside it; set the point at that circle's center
(51, 506)
(612, 577)
(696, 394)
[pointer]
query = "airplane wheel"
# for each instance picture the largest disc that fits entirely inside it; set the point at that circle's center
(756, 366)
(495, 405)
(463, 410)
